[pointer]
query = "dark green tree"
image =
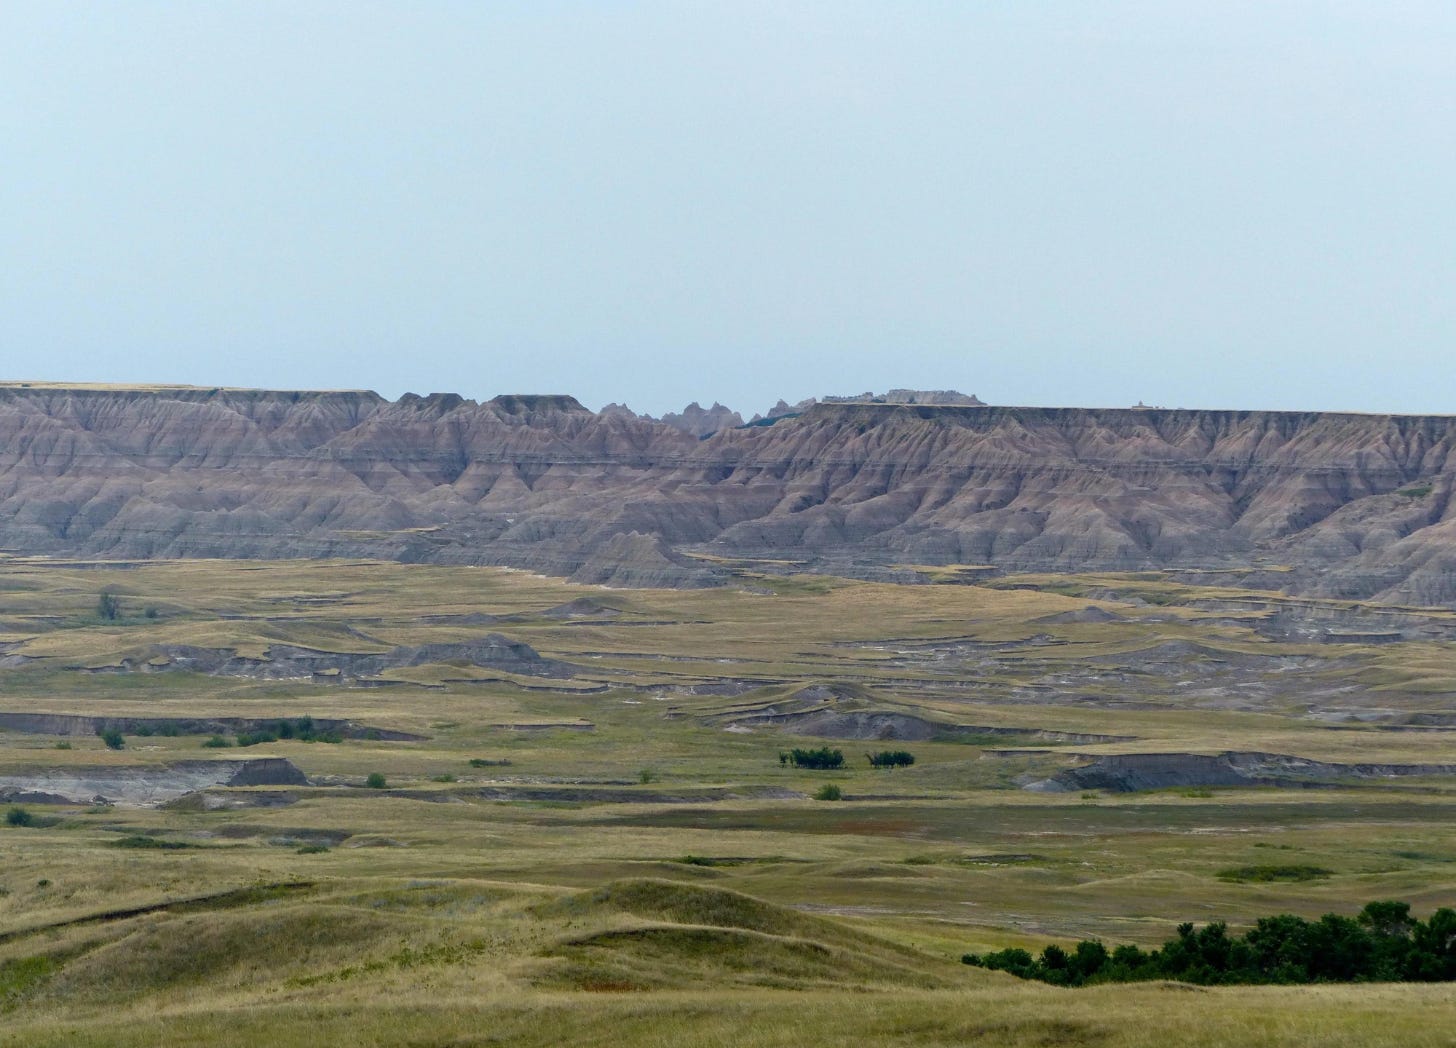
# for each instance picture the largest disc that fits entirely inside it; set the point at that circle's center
(821, 759)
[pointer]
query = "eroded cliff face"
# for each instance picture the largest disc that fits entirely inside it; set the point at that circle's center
(1351, 505)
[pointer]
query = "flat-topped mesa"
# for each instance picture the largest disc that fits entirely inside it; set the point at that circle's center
(929, 397)
(180, 390)
(60, 393)
(1333, 504)
(981, 415)
(537, 404)
(434, 404)
(941, 397)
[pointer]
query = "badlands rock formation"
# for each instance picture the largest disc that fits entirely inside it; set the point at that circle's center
(1333, 504)
(694, 419)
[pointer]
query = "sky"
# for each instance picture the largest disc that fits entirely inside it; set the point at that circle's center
(1223, 204)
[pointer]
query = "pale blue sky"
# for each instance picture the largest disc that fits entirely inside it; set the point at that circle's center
(1245, 204)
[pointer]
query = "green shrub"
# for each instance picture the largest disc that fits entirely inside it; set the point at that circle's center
(108, 608)
(1270, 873)
(891, 759)
(167, 729)
(1383, 944)
(375, 781)
(63, 745)
(482, 762)
(142, 841)
(113, 739)
(312, 849)
(828, 792)
(821, 759)
(303, 729)
(447, 777)
(217, 742)
(23, 818)
(646, 775)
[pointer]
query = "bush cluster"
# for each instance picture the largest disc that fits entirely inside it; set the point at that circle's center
(302, 729)
(1383, 944)
(166, 729)
(1271, 873)
(891, 759)
(820, 759)
(140, 840)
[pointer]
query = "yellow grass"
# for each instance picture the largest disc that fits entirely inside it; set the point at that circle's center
(456, 905)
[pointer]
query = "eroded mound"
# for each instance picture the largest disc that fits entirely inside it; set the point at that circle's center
(85, 726)
(1129, 772)
(143, 786)
(491, 651)
(653, 934)
(234, 948)
(840, 711)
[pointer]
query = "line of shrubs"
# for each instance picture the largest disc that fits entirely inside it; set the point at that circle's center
(303, 729)
(822, 759)
(1383, 944)
(891, 759)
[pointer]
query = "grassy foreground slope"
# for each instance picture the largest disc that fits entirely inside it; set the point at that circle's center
(602, 846)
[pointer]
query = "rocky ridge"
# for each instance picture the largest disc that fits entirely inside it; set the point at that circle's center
(1355, 506)
(143, 785)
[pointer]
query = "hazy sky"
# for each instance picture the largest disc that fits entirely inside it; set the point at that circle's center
(1196, 204)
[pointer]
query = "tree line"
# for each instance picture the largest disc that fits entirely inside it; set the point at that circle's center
(822, 759)
(1384, 943)
(891, 759)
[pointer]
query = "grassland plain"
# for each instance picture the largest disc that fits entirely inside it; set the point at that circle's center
(597, 843)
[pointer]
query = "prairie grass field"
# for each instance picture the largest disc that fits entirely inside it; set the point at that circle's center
(583, 827)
